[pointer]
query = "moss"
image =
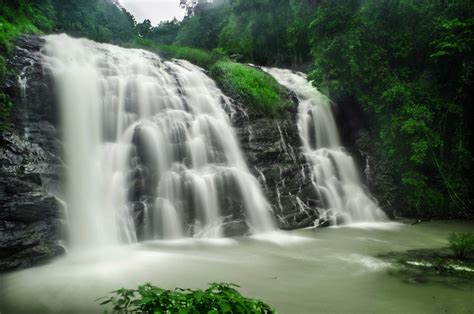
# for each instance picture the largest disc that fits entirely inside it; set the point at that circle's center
(253, 87)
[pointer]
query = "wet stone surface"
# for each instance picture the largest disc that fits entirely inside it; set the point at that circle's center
(30, 216)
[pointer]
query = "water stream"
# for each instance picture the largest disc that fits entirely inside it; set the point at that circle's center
(148, 144)
(334, 172)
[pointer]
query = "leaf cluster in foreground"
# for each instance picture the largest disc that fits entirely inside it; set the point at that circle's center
(217, 298)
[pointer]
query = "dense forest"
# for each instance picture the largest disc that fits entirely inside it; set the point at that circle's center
(408, 64)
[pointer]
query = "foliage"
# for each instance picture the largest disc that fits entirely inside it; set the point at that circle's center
(163, 34)
(99, 20)
(264, 31)
(253, 87)
(410, 65)
(200, 57)
(462, 244)
(203, 30)
(218, 298)
(197, 56)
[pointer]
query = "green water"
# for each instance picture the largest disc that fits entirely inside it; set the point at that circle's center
(332, 270)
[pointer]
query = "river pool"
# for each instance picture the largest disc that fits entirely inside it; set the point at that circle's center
(329, 270)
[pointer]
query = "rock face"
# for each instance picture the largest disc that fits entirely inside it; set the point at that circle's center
(273, 150)
(272, 147)
(30, 216)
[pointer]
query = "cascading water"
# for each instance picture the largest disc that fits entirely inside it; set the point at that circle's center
(148, 145)
(335, 175)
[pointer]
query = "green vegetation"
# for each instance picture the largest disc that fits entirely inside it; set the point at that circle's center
(199, 57)
(218, 298)
(462, 244)
(409, 66)
(251, 86)
(99, 20)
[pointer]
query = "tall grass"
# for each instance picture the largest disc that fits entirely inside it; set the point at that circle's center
(253, 87)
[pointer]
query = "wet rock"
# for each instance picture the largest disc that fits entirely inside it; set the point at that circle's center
(272, 149)
(235, 228)
(30, 214)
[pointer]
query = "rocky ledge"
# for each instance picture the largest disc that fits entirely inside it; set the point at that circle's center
(432, 266)
(272, 149)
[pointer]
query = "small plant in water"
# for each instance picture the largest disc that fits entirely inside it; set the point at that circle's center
(461, 244)
(218, 298)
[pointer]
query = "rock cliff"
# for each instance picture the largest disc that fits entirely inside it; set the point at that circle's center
(30, 215)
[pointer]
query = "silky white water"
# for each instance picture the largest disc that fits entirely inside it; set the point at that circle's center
(148, 144)
(335, 175)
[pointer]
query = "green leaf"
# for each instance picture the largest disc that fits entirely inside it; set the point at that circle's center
(225, 307)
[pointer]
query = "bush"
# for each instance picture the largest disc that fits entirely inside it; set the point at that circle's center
(218, 298)
(253, 87)
(462, 244)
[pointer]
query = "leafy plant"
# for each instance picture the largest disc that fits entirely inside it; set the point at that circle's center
(462, 244)
(217, 298)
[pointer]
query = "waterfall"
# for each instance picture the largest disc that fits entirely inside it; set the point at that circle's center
(335, 175)
(149, 149)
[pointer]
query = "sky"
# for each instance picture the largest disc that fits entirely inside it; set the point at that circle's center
(154, 10)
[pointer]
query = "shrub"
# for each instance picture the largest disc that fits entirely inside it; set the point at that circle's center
(253, 87)
(462, 244)
(218, 298)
